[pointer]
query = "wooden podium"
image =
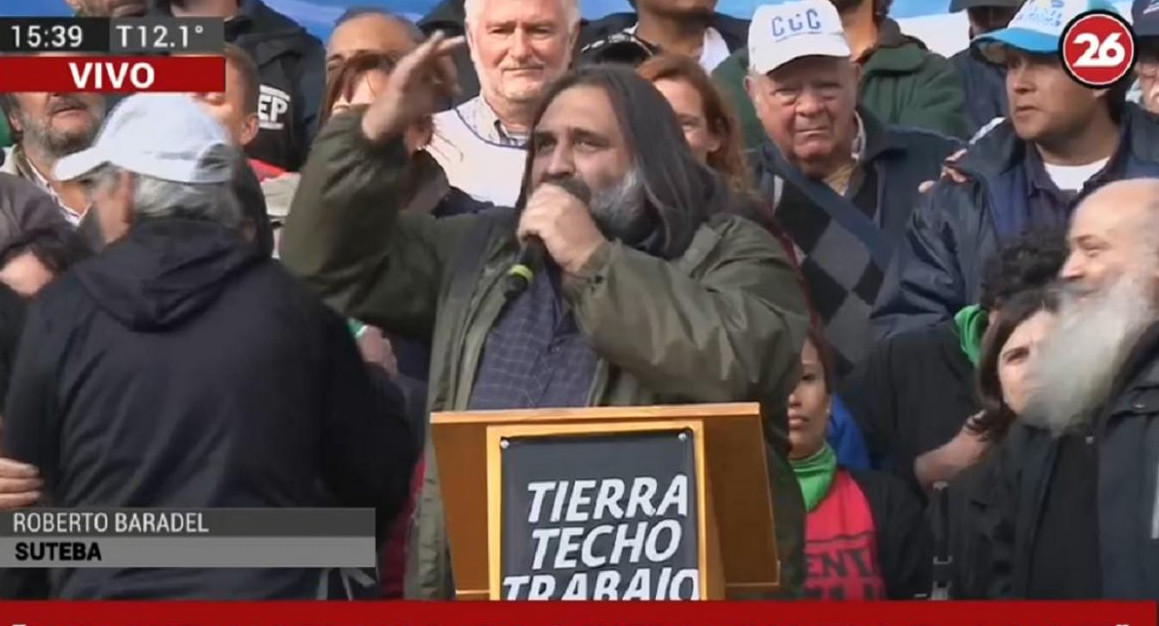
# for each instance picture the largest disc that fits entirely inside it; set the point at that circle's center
(566, 503)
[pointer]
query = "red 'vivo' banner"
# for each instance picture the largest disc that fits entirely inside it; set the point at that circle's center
(108, 74)
(577, 614)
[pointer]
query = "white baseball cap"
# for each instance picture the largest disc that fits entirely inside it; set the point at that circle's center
(785, 32)
(166, 136)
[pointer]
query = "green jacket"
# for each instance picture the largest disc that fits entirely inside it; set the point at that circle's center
(5, 136)
(901, 83)
(723, 323)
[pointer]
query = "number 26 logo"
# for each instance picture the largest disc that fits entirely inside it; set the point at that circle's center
(1106, 53)
(1097, 48)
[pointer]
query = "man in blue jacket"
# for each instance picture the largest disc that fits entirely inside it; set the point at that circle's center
(1061, 141)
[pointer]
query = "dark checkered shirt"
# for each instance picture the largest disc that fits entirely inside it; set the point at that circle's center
(842, 278)
(535, 356)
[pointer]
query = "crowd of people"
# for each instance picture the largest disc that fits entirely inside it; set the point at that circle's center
(938, 277)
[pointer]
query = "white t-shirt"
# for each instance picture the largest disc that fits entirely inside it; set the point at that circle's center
(1073, 177)
(713, 51)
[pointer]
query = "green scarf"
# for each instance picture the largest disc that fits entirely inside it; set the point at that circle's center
(971, 322)
(815, 474)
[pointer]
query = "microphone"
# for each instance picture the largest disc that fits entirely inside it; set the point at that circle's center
(531, 251)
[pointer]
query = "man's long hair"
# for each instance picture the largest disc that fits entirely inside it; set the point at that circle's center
(679, 192)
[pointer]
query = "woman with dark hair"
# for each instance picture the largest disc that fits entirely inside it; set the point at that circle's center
(865, 536)
(708, 122)
(1010, 344)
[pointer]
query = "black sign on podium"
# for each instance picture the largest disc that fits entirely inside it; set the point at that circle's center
(609, 516)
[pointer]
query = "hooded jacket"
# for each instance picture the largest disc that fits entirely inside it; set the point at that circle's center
(722, 323)
(180, 368)
(958, 226)
(902, 83)
(292, 66)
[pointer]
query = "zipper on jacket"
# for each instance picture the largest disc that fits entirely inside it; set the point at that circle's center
(1155, 507)
(599, 383)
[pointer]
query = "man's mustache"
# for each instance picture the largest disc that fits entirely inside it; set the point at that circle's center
(573, 185)
(66, 103)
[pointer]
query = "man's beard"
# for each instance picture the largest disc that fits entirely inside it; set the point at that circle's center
(55, 144)
(1076, 367)
(619, 210)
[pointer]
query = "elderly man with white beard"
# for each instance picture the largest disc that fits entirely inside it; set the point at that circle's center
(1076, 492)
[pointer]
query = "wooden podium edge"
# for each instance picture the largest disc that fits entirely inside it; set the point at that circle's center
(450, 423)
(604, 413)
(706, 554)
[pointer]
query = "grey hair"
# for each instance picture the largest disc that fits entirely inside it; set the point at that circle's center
(571, 9)
(156, 197)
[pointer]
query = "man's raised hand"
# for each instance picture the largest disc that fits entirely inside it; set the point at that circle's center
(422, 80)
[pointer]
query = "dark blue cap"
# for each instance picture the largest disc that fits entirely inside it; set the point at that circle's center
(1145, 18)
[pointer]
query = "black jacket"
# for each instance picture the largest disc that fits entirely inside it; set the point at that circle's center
(292, 65)
(985, 86)
(180, 368)
(936, 270)
(1126, 434)
(967, 524)
(904, 541)
(912, 395)
(12, 308)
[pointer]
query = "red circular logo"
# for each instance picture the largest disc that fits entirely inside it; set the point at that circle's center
(1098, 48)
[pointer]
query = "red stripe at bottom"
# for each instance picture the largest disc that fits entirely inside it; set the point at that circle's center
(577, 614)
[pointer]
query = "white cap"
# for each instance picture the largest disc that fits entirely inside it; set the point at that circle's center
(165, 136)
(785, 32)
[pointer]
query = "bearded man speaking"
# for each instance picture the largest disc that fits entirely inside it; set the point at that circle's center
(1077, 490)
(652, 292)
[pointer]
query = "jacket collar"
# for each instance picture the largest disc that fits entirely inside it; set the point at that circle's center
(894, 52)
(878, 140)
(1000, 149)
(1140, 367)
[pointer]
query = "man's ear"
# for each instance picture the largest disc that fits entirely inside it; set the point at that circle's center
(249, 129)
(750, 87)
(76, 5)
(572, 41)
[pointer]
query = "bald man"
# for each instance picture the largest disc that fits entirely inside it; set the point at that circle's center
(369, 30)
(1077, 490)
